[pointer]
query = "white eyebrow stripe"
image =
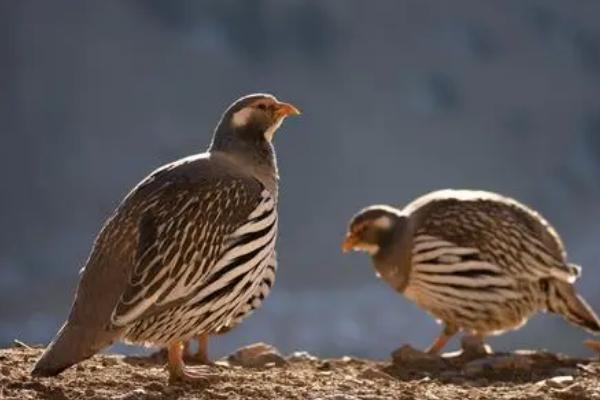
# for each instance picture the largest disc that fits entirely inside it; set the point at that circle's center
(240, 118)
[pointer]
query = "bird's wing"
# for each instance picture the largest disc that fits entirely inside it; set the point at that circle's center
(187, 229)
(492, 229)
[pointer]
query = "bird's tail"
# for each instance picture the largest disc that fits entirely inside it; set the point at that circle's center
(562, 299)
(72, 344)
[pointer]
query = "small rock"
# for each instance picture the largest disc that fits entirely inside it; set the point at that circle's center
(560, 382)
(373, 374)
(256, 355)
(497, 363)
(477, 367)
(325, 366)
(408, 356)
(89, 392)
(299, 356)
(451, 376)
(512, 362)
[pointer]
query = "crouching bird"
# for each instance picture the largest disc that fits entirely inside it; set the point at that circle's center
(477, 261)
(189, 251)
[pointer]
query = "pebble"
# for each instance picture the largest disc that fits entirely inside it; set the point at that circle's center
(298, 356)
(560, 382)
(451, 376)
(325, 366)
(408, 355)
(498, 363)
(257, 355)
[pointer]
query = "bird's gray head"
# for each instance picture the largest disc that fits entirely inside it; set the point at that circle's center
(251, 122)
(372, 229)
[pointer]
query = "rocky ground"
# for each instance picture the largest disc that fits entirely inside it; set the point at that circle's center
(260, 372)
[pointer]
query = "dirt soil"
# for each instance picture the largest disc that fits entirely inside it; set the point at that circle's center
(409, 375)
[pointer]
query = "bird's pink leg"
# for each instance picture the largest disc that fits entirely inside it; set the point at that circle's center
(441, 341)
(201, 355)
(178, 371)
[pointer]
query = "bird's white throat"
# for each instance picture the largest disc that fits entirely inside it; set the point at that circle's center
(269, 133)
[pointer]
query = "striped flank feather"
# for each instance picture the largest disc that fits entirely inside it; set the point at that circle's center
(236, 284)
(455, 284)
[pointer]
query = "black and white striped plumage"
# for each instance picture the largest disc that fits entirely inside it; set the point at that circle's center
(476, 260)
(254, 302)
(190, 251)
(231, 233)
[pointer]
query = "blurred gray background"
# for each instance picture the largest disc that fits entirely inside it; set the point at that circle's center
(398, 98)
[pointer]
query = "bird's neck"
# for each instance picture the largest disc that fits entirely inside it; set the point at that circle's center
(256, 158)
(393, 260)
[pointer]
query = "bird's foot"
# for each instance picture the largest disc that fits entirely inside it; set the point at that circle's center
(201, 375)
(179, 372)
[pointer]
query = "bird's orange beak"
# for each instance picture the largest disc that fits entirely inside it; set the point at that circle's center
(350, 243)
(286, 110)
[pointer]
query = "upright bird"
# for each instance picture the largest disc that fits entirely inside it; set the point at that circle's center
(475, 260)
(189, 251)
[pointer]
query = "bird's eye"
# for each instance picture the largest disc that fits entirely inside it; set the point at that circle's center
(262, 106)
